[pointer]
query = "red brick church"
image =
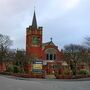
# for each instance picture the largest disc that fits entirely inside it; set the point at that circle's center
(35, 47)
(47, 52)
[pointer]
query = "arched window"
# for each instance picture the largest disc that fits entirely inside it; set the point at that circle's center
(50, 54)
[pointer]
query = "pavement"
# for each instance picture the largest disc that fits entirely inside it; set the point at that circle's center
(13, 83)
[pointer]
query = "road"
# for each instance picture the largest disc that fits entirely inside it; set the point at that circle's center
(36, 84)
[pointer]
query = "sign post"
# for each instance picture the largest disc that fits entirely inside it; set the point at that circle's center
(37, 67)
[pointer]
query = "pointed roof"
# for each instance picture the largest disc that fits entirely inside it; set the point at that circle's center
(34, 22)
(48, 43)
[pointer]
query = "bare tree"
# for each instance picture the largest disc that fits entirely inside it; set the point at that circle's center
(87, 41)
(87, 44)
(74, 54)
(22, 59)
(5, 43)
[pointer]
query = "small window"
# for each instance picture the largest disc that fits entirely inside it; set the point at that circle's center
(51, 56)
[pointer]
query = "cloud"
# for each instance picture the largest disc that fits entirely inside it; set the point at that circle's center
(57, 8)
(70, 25)
(60, 19)
(13, 14)
(70, 4)
(15, 6)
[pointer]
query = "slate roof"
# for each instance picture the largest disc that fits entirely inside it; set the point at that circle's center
(34, 22)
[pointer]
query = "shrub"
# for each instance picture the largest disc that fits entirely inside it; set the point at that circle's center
(66, 72)
(16, 69)
(9, 69)
(84, 72)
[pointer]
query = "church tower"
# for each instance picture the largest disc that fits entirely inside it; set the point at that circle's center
(34, 39)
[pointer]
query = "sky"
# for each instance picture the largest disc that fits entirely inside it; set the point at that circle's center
(66, 21)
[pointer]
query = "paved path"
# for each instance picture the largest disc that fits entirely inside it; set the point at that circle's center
(36, 84)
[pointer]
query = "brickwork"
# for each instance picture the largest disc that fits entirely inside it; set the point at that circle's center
(43, 51)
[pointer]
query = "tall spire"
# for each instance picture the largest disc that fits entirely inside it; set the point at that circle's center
(34, 22)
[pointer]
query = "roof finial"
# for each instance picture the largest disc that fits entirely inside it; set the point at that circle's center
(34, 5)
(51, 39)
(34, 21)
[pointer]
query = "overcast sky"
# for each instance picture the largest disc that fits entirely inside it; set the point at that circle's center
(66, 21)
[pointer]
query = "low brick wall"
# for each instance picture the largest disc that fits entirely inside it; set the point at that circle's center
(2, 67)
(29, 75)
(72, 77)
(43, 76)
